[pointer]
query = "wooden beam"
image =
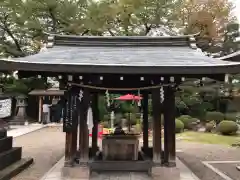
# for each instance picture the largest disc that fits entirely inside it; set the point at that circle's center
(169, 116)
(166, 127)
(70, 126)
(83, 129)
(157, 145)
(40, 101)
(145, 122)
(68, 149)
(74, 143)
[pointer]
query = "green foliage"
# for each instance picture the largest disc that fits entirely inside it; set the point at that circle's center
(103, 113)
(179, 126)
(231, 116)
(105, 124)
(22, 23)
(182, 117)
(22, 86)
(181, 105)
(133, 119)
(230, 34)
(214, 116)
(138, 128)
(186, 120)
(106, 117)
(192, 125)
(227, 127)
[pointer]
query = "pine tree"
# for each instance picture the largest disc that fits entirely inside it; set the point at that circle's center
(231, 33)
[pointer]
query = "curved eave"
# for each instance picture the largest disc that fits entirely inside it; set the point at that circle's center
(231, 57)
(229, 68)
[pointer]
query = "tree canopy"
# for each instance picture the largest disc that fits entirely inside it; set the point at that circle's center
(23, 22)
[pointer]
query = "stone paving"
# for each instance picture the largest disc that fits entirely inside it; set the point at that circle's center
(55, 174)
(17, 131)
(45, 146)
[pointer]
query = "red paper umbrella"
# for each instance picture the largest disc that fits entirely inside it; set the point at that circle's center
(129, 97)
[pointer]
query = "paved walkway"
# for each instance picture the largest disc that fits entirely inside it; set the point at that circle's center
(55, 174)
(45, 146)
(17, 131)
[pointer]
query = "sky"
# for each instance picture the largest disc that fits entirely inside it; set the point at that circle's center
(237, 10)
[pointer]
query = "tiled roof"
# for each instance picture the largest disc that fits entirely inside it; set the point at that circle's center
(150, 55)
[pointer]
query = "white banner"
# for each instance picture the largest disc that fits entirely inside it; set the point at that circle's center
(5, 108)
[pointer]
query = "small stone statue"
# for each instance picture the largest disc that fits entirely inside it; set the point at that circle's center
(118, 130)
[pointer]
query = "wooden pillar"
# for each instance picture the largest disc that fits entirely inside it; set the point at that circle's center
(40, 103)
(95, 123)
(145, 122)
(169, 117)
(68, 149)
(166, 127)
(74, 142)
(157, 145)
(83, 129)
(70, 125)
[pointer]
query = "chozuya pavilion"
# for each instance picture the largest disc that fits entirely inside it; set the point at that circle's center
(89, 66)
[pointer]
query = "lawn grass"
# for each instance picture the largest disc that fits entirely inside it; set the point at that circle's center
(209, 138)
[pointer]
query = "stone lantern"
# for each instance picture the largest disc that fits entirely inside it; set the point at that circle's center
(21, 117)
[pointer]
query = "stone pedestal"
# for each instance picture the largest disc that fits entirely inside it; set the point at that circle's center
(165, 173)
(11, 162)
(120, 147)
(76, 172)
(3, 125)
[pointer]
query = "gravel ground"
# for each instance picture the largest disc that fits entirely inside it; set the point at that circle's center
(194, 153)
(45, 146)
(229, 170)
(210, 152)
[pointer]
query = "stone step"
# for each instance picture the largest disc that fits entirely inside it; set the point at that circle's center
(3, 134)
(9, 157)
(6, 144)
(14, 169)
(16, 123)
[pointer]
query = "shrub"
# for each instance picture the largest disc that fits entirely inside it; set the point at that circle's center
(138, 128)
(184, 117)
(186, 120)
(105, 124)
(214, 116)
(192, 125)
(133, 120)
(179, 126)
(209, 126)
(231, 116)
(106, 117)
(227, 127)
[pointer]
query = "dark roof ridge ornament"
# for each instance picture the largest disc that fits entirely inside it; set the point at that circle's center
(50, 41)
(192, 42)
(118, 41)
